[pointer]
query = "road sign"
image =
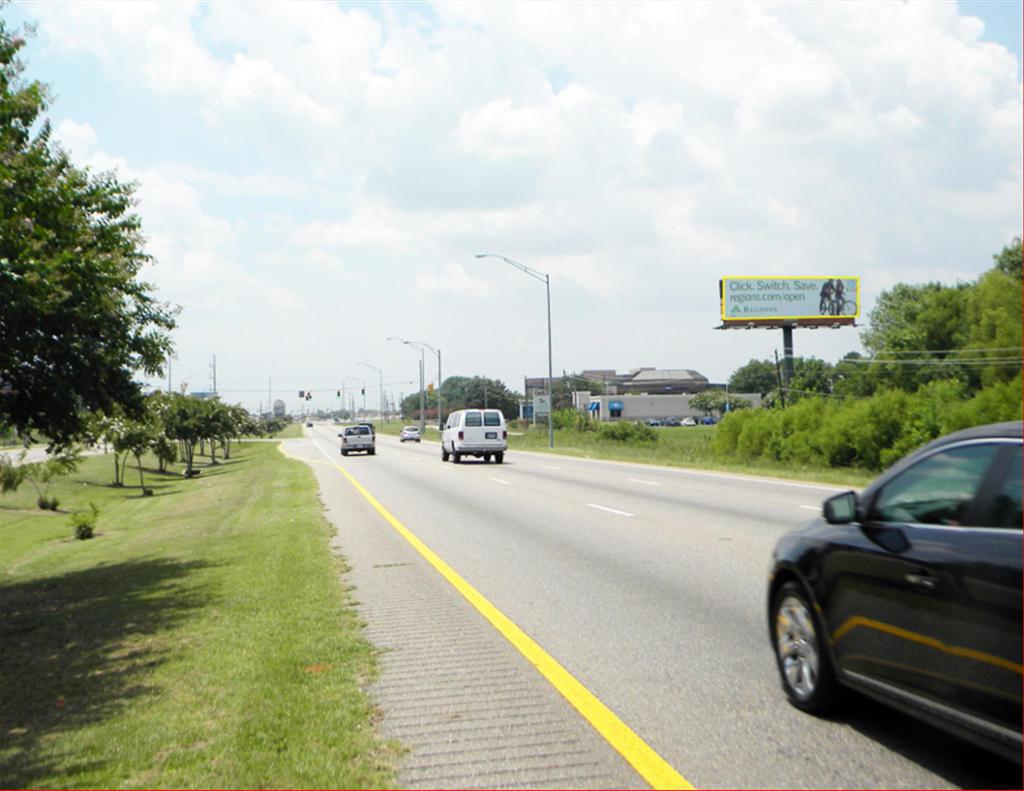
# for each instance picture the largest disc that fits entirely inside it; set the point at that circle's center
(541, 405)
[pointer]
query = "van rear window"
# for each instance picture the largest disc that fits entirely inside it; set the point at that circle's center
(473, 419)
(492, 418)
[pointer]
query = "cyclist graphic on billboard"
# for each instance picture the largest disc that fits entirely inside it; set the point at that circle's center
(825, 303)
(837, 302)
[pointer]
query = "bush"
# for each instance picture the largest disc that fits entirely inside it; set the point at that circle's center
(47, 503)
(84, 522)
(626, 432)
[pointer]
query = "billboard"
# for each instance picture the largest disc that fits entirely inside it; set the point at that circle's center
(756, 299)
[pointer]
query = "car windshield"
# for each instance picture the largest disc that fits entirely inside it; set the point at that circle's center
(356, 431)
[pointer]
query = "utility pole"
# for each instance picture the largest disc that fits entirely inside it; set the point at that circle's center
(168, 374)
(213, 373)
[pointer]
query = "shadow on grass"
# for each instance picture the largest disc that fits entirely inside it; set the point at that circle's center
(75, 648)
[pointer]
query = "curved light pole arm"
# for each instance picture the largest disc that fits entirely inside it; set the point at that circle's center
(546, 280)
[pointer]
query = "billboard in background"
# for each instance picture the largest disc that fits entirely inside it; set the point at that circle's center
(746, 299)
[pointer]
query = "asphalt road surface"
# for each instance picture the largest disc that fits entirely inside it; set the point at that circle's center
(647, 584)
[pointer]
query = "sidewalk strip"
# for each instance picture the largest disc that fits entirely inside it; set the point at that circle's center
(651, 767)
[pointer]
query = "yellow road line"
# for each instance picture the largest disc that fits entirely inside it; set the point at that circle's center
(931, 642)
(651, 766)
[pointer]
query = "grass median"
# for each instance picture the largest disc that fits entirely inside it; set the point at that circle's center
(201, 639)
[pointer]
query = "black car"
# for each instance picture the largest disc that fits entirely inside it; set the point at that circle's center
(911, 591)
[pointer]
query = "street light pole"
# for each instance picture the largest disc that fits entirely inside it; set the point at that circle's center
(423, 395)
(546, 280)
(380, 373)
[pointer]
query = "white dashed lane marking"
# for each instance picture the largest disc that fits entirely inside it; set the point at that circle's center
(498, 480)
(610, 510)
(646, 483)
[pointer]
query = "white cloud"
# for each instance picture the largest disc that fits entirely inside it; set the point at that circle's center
(78, 139)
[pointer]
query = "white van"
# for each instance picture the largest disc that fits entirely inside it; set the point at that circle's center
(475, 432)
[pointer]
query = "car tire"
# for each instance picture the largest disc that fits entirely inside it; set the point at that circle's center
(444, 453)
(344, 453)
(487, 458)
(499, 457)
(801, 653)
(372, 452)
(456, 456)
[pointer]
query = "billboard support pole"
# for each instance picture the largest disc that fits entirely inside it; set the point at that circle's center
(787, 351)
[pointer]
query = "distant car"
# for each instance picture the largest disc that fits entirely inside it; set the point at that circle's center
(671, 421)
(358, 438)
(309, 424)
(410, 434)
(689, 421)
(653, 421)
(708, 421)
(911, 591)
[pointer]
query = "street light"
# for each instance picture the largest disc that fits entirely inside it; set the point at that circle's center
(437, 353)
(546, 280)
(381, 374)
(361, 382)
(423, 395)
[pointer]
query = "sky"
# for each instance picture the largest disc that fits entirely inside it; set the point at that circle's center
(314, 178)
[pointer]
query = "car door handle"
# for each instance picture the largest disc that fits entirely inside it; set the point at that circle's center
(924, 581)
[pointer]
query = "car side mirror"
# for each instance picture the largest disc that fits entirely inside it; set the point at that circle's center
(840, 509)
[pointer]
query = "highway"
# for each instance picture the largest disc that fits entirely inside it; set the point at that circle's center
(647, 585)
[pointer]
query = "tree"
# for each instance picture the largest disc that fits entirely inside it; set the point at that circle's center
(708, 401)
(77, 323)
(1008, 260)
(757, 376)
(463, 392)
(183, 421)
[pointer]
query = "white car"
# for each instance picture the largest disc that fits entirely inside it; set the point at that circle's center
(689, 421)
(475, 432)
(410, 434)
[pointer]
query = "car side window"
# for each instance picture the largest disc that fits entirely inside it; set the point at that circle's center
(1007, 505)
(938, 490)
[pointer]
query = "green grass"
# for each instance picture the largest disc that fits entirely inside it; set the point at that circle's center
(291, 431)
(686, 446)
(202, 639)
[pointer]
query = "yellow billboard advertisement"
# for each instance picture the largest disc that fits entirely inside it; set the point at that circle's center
(753, 298)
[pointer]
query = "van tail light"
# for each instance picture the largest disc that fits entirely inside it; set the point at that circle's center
(462, 435)
(504, 434)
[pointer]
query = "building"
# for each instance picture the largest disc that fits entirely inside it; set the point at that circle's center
(645, 407)
(650, 381)
(279, 408)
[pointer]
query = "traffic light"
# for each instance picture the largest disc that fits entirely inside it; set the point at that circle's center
(338, 394)
(302, 394)
(362, 391)
(309, 395)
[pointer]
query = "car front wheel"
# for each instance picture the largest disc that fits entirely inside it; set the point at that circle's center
(801, 653)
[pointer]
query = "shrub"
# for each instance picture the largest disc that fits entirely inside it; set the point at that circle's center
(47, 503)
(84, 522)
(626, 432)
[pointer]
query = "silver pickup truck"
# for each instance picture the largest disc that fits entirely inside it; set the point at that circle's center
(359, 438)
